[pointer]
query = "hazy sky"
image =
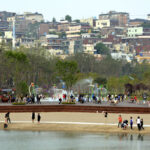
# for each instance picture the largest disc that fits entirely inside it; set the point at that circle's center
(77, 8)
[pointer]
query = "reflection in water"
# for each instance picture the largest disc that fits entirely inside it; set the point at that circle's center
(140, 137)
(131, 137)
(126, 136)
(123, 136)
(72, 141)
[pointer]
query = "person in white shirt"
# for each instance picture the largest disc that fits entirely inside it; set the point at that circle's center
(138, 121)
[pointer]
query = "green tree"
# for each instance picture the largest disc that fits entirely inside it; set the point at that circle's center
(68, 18)
(86, 62)
(77, 21)
(146, 25)
(20, 65)
(109, 67)
(33, 30)
(102, 49)
(101, 81)
(67, 71)
(54, 20)
(62, 34)
(22, 88)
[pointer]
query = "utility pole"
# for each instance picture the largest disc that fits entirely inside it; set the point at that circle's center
(14, 35)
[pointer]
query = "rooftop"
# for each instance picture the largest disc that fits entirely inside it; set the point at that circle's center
(114, 13)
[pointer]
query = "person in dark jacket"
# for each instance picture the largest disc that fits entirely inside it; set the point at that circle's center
(38, 118)
(60, 100)
(33, 117)
(7, 117)
(142, 124)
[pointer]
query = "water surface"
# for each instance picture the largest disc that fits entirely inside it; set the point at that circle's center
(27, 140)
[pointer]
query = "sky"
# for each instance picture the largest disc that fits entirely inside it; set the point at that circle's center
(78, 9)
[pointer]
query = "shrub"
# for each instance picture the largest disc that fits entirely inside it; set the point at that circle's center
(19, 103)
(68, 103)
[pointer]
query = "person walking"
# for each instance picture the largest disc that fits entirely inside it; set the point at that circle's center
(138, 123)
(131, 123)
(7, 117)
(106, 114)
(142, 124)
(38, 118)
(119, 121)
(33, 117)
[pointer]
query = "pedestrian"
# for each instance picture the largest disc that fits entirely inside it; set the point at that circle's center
(33, 99)
(33, 117)
(60, 100)
(142, 124)
(7, 117)
(119, 121)
(106, 114)
(131, 123)
(37, 97)
(138, 123)
(38, 118)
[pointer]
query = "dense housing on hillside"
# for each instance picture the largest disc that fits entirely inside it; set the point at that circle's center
(125, 37)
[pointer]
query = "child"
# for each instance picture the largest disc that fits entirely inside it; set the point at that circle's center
(131, 123)
(119, 121)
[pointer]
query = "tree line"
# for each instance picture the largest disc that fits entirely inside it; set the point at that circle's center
(20, 67)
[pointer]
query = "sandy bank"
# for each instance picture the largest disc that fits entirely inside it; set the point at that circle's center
(76, 128)
(22, 121)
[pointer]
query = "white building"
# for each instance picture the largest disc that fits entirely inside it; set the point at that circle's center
(122, 56)
(8, 35)
(102, 23)
(90, 21)
(51, 36)
(88, 48)
(86, 35)
(132, 32)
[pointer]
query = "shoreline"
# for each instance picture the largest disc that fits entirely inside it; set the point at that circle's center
(73, 128)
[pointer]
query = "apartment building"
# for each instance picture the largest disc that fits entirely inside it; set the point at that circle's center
(132, 32)
(90, 21)
(120, 19)
(34, 17)
(102, 23)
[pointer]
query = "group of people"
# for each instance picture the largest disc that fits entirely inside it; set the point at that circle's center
(27, 99)
(72, 98)
(32, 99)
(38, 117)
(7, 118)
(124, 124)
(116, 98)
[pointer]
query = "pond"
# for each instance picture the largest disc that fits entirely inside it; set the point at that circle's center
(28, 140)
